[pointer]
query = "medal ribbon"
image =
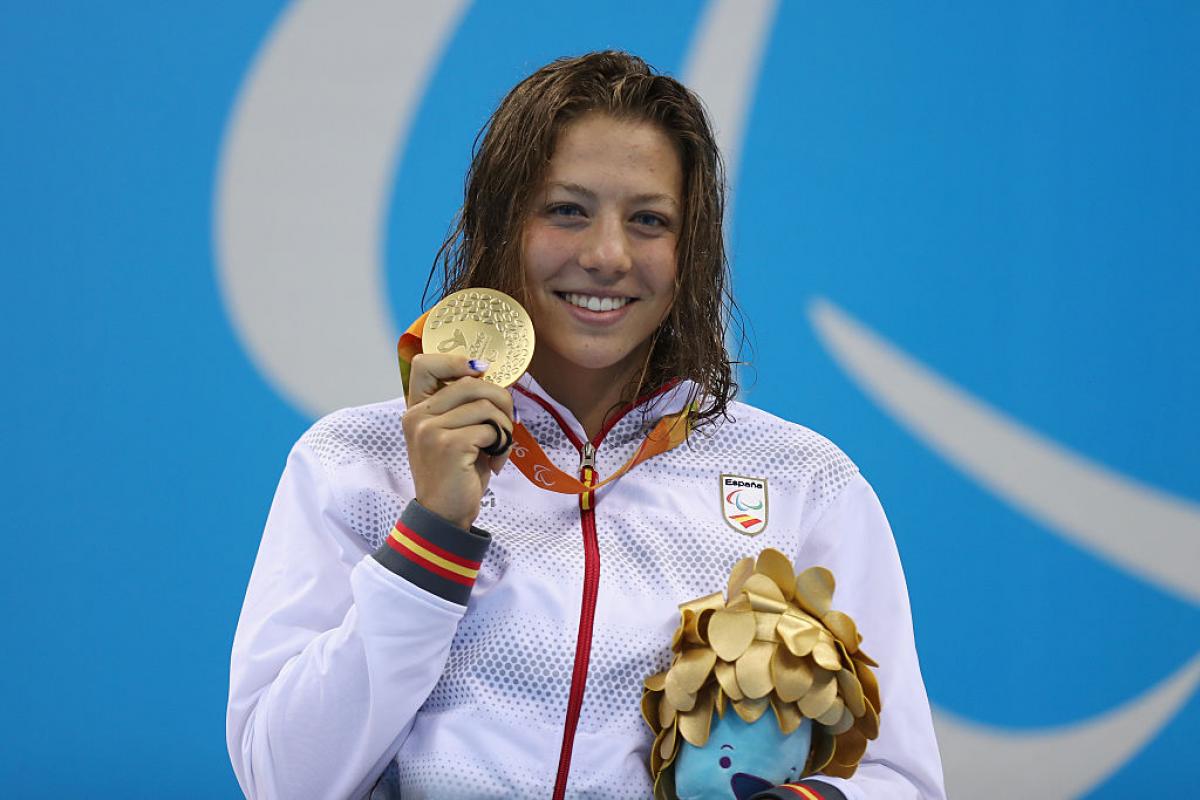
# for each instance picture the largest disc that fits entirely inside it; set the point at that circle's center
(408, 347)
(670, 431)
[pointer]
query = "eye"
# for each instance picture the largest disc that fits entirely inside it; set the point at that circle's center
(725, 762)
(649, 219)
(564, 210)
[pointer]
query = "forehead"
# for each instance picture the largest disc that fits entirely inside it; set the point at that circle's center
(601, 151)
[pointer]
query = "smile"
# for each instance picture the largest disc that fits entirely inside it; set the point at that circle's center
(593, 303)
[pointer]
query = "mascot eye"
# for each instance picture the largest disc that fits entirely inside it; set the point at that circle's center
(725, 762)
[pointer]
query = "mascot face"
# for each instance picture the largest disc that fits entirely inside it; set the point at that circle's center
(741, 758)
(772, 641)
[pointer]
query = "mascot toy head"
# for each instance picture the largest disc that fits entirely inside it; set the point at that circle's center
(773, 641)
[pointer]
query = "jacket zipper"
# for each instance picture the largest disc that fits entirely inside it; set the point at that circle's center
(587, 615)
(591, 575)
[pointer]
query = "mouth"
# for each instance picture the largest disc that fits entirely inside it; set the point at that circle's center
(595, 303)
(745, 785)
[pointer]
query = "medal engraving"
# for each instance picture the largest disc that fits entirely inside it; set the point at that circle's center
(482, 323)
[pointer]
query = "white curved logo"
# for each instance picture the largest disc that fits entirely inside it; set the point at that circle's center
(1089, 504)
(1095, 507)
(302, 191)
(1062, 762)
(722, 67)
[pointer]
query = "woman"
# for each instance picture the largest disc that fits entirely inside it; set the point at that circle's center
(492, 643)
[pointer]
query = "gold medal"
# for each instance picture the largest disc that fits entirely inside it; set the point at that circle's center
(486, 324)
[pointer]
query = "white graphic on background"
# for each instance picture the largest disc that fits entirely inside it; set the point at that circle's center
(1135, 527)
(303, 189)
(722, 67)
(981, 761)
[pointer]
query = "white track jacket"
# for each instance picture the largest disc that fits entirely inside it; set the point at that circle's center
(353, 679)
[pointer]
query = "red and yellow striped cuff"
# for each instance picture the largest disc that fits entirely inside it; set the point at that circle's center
(808, 789)
(434, 554)
(426, 554)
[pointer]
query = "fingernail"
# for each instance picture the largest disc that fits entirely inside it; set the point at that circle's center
(478, 364)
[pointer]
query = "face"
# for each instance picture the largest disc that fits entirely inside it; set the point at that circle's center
(741, 759)
(599, 247)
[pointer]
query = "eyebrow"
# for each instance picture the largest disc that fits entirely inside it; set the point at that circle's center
(726, 746)
(575, 188)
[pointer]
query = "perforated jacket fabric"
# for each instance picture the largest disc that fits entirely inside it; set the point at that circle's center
(349, 681)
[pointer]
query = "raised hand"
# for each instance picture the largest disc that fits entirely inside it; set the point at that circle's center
(447, 427)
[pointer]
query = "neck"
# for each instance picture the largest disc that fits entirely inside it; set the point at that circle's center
(591, 395)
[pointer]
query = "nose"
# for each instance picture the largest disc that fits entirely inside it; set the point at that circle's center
(606, 250)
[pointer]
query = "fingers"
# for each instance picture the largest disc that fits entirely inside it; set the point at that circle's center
(431, 370)
(468, 390)
(465, 429)
(481, 414)
(502, 441)
(492, 439)
(450, 427)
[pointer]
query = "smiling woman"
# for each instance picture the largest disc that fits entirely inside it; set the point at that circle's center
(427, 619)
(600, 259)
(623, 164)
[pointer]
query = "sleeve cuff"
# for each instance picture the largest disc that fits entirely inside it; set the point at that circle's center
(804, 790)
(436, 555)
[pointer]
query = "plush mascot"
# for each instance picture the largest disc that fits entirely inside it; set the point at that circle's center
(772, 642)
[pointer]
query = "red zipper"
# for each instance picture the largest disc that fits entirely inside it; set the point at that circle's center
(591, 576)
(587, 616)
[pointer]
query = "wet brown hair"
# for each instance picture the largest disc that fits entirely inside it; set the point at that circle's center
(511, 154)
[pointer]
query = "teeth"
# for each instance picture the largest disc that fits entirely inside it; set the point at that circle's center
(592, 303)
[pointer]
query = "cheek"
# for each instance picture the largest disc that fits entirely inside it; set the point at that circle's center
(664, 269)
(544, 249)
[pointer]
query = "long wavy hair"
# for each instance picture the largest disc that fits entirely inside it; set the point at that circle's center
(509, 163)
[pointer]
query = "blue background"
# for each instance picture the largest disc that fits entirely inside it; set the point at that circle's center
(1008, 193)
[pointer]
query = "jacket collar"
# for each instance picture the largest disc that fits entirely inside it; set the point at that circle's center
(530, 399)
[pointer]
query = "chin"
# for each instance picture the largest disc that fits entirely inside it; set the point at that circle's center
(596, 359)
(614, 364)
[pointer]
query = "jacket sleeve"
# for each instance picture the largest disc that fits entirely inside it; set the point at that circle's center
(853, 539)
(337, 648)
(802, 790)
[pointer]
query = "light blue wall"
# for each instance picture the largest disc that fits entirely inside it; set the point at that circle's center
(1007, 194)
